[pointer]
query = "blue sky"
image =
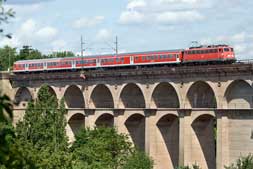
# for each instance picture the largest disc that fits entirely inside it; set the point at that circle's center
(141, 25)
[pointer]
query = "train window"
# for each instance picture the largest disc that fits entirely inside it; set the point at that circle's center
(232, 50)
(226, 49)
(122, 59)
(152, 57)
(215, 50)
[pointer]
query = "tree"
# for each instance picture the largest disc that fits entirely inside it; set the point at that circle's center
(7, 57)
(42, 132)
(5, 109)
(242, 163)
(61, 54)
(138, 160)
(5, 15)
(28, 53)
(104, 148)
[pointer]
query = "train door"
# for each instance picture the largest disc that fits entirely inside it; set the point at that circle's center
(98, 62)
(131, 60)
(44, 65)
(26, 67)
(177, 57)
(73, 63)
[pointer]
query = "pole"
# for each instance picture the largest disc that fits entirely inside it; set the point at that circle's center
(116, 45)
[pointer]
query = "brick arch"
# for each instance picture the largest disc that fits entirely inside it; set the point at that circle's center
(101, 97)
(76, 122)
(164, 95)
(74, 97)
(201, 95)
(203, 139)
(135, 125)
(106, 120)
(239, 94)
(131, 96)
(167, 140)
(23, 95)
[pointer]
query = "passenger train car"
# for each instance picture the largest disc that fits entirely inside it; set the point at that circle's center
(207, 54)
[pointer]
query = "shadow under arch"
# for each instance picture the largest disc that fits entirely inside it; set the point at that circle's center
(239, 94)
(205, 145)
(165, 96)
(74, 97)
(101, 97)
(201, 95)
(76, 122)
(22, 95)
(135, 125)
(105, 120)
(168, 126)
(132, 96)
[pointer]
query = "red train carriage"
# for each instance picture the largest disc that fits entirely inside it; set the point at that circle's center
(221, 53)
(213, 53)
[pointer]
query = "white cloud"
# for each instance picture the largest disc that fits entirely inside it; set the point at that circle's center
(136, 4)
(103, 34)
(47, 32)
(14, 42)
(88, 22)
(177, 17)
(131, 17)
(59, 45)
(28, 26)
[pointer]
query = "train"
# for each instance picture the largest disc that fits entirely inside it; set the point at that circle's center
(193, 55)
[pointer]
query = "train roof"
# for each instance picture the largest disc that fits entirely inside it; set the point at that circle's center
(96, 56)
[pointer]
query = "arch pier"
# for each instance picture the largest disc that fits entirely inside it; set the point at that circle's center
(178, 115)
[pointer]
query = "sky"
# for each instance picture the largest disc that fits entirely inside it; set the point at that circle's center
(140, 25)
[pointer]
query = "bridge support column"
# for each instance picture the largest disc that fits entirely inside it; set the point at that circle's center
(222, 152)
(185, 137)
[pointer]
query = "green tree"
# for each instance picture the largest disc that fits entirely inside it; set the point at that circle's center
(138, 160)
(104, 148)
(242, 163)
(5, 15)
(42, 132)
(5, 109)
(61, 54)
(28, 53)
(7, 57)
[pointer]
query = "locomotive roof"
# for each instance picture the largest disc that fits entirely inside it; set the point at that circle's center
(95, 56)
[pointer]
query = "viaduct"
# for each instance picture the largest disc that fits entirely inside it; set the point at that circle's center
(179, 115)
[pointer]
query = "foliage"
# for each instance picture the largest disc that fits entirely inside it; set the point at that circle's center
(5, 15)
(7, 57)
(42, 132)
(5, 109)
(194, 166)
(138, 160)
(61, 54)
(101, 148)
(242, 163)
(28, 53)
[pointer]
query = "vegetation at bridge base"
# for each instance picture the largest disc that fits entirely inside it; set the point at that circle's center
(242, 163)
(39, 141)
(104, 148)
(194, 166)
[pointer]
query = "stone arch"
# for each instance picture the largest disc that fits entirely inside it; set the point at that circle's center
(50, 90)
(135, 125)
(23, 95)
(132, 96)
(168, 140)
(76, 122)
(239, 94)
(201, 95)
(105, 120)
(164, 96)
(74, 97)
(101, 97)
(203, 141)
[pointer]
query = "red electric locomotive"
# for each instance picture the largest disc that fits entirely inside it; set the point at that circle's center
(213, 53)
